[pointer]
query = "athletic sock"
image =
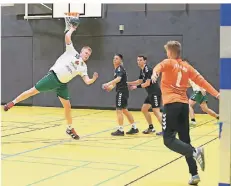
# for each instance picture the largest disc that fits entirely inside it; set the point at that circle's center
(69, 127)
(193, 119)
(121, 128)
(151, 126)
(134, 126)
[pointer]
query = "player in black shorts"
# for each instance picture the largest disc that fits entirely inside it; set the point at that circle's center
(122, 95)
(154, 93)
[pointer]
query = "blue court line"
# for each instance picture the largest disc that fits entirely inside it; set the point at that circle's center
(138, 149)
(22, 161)
(55, 158)
(51, 122)
(59, 143)
(116, 176)
(90, 146)
(61, 173)
(161, 138)
(43, 163)
(191, 142)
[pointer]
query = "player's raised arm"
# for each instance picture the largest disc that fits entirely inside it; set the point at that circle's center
(74, 23)
(195, 76)
(68, 35)
(89, 81)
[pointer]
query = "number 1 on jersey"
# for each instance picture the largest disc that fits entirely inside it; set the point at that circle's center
(179, 76)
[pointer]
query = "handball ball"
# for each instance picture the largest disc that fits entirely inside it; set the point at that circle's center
(75, 21)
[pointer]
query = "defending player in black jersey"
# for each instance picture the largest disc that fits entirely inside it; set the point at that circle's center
(122, 95)
(154, 93)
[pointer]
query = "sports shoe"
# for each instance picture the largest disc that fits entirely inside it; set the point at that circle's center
(118, 133)
(193, 123)
(8, 106)
(194, 180)
(149, 131)
(160, 133)
(72, 133)
(133, 131)
(199, 156)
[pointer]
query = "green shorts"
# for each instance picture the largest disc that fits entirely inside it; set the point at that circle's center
(198, 97)
(50, 82)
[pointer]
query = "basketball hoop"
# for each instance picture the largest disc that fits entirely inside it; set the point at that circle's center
(71, 18)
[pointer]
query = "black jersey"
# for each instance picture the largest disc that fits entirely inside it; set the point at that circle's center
(121, 72)
(146, 74)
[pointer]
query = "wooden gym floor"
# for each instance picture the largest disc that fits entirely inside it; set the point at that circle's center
(36, 151)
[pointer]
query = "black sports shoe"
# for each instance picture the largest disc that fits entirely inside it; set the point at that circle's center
(149, 131)
(72, 133)
(117, 133)
(133, 131)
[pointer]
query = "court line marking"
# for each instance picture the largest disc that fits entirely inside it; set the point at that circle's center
(61, 173)
(21, 127)
(196, 139)
(71, 160)
(44, 163)
(64, 141)
(174, 160)
(115, 176)
(138, 149)
(202, 124)
(109, 179)
(61, 142)
(53, 121)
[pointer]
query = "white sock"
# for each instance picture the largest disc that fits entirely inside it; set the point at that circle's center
(69, 127)
(121, 128)
(134, 125)
(14, 101)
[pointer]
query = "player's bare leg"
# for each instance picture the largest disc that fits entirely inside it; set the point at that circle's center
(191, 112)
(23, 96)
(120, 120)
(67, 109)
(157, 113)
(130, 118)
(207, 110)
(145, 110)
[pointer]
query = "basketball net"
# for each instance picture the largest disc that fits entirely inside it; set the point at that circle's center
(67, 18)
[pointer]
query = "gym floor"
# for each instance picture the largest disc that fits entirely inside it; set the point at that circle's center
(37, 151)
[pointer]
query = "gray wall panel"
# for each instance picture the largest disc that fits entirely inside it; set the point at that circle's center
(16, 67)
(46, 50)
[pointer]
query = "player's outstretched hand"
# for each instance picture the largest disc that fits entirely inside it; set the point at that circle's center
(132, 87)
(95, 75)
(154, 77)
(107, 87)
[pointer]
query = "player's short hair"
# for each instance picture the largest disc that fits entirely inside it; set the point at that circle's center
(120, 56)
(88, 48)
(144, 57)
(185, 60)
(173, 46)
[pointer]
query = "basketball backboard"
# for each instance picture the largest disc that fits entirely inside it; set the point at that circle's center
(58, 10)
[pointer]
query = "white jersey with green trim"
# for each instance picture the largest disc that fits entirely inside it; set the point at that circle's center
(69, 65)
(195, 87)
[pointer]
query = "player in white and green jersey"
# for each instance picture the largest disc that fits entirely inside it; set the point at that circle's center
(199, 96)
(69, 65)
